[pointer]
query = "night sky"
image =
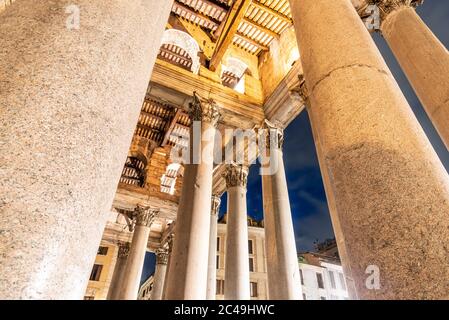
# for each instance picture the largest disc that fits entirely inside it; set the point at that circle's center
(308, 201)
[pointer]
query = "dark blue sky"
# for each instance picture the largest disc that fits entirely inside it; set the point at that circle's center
(308, 201)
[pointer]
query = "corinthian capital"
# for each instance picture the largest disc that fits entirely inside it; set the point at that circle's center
(145, 216)
(388, 6)
(162, 256)
(273, 135)
(205, 110)
(123, 249)
(236, 175)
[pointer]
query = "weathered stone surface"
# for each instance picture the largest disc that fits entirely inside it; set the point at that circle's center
(391, 190)
(70, 99)
(424, 60)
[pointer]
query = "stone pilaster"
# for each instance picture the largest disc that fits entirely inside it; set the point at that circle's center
(187, 276)
(237, 257)
(68, 114)
(212, 264)
(133, 271)
(383, 171)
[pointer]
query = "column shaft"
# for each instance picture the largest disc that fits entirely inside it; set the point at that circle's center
(390, 189)
(129, 288)
(119, 271)
(159, 274)
(284, 282)
(331, 203)
(212, 264)
(170, 248)
(70, 99)
(187, 277)
(237, 257)
(425, 62)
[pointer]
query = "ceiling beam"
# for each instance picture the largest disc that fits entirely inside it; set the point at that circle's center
(210, 20)
(261, 28)
(214, 4)
(273, 12)
(176, 55)
(170, 128)
(236, 15)
(155, 117)
(142, 126)
(252, 41)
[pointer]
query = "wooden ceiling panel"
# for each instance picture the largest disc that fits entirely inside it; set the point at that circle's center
(263, 21)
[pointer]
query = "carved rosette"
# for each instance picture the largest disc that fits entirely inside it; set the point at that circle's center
(205, 110)
(236, 175)
(145, 216)
(215, 208)
(273, 135)
(388, 6)
(162, 256)
(123, 249)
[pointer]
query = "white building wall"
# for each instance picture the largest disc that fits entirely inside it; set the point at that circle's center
(259, 275)
(332, 290)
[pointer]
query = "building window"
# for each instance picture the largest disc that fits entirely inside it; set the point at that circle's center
(322, 298)
(218, 261)
(304, 297)
(319, 279)
(253, 288)
(302, 277)
(102, 251)
(342, 281)
(251, 264)
(250, 247)
(332, 278)
(220, 287)
(96, 272)
(218, 243)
